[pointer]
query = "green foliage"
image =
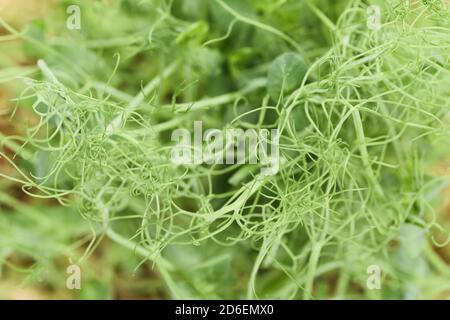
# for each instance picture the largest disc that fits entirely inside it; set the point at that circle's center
(362, 116)
(286, 73)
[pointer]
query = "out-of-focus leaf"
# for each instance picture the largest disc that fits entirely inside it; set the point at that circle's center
(285, 74)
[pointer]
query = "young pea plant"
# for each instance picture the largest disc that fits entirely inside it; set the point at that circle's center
(362, 115)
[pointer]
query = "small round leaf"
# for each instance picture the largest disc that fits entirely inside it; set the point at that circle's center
(286, 73)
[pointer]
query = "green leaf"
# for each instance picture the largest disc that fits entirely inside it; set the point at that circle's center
(413, 239)
(285, 74)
